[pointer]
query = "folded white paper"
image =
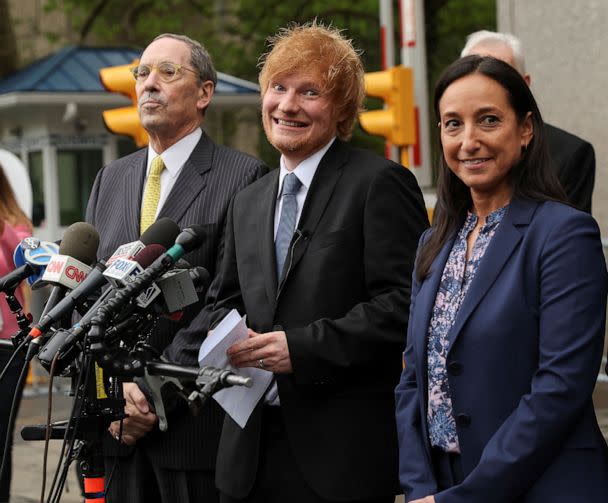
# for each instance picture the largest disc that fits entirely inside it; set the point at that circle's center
(237, 401)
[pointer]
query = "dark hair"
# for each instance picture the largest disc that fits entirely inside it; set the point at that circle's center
(533, 177)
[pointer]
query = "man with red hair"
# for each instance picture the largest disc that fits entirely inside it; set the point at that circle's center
(319, 255)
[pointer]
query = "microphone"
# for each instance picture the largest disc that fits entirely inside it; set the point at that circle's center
(31, 256)
(181, 287)
(63, 341)
(67, 270)
(78, 249)
(163, 232)
(201, 279)
(36, 252)
(186, 241)
(123, 271)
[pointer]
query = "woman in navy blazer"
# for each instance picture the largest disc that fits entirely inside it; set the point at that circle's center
(507, 314)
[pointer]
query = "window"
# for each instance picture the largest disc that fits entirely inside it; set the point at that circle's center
(77, 170)
(36, 177)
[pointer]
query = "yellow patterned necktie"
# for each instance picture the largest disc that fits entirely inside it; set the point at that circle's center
(151, 194)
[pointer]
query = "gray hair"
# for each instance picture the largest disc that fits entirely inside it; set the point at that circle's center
(494, 38)
(199, 57)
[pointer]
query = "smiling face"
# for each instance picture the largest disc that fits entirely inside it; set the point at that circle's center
(481, 136)
(170, 110)
(298, 117)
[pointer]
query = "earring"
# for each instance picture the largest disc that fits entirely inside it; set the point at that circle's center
(524, 147)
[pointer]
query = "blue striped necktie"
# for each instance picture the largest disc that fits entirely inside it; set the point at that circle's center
(287, 222)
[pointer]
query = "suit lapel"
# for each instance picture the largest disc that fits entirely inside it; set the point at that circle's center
(134, 180)
(505, 241)
(265, 231)
(190, 181)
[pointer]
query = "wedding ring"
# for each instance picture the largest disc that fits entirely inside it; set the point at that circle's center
(261, 363)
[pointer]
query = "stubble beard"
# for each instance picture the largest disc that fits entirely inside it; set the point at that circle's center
(282, 143)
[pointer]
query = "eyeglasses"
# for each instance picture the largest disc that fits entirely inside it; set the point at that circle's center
(167, 71)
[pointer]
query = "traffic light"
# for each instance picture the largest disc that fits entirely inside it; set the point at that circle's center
(119, 79)
(397, 122)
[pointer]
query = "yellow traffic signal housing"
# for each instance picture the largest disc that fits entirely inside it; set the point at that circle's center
(125, 120)
(397, 122)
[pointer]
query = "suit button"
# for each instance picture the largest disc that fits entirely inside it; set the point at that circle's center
(463, 419)
(277, 328)
(455, 368)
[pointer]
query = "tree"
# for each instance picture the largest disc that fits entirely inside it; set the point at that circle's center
(235, 31)
(8, 43)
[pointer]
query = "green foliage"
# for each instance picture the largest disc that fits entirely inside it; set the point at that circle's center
(235, 31)
(449, 27)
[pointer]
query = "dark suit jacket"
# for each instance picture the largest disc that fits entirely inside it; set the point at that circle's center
(201, 195)
(343, 305)
(522, 362)
(574, 161)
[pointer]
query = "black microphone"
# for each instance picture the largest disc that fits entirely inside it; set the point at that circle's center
(80, 242)
(11, 281)
(201, 279)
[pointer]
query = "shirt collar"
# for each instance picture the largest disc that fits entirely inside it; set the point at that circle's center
(177, 154)
(305, 171)
(492, 220)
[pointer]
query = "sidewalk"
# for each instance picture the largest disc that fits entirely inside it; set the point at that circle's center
(27, 456)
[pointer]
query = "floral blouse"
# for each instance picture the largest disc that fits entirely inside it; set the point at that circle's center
(455, 281)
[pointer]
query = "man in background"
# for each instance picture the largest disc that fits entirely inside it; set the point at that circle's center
(186, 177)
(573, 157)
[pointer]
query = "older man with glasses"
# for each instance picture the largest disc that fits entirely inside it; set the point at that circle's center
(186, 177)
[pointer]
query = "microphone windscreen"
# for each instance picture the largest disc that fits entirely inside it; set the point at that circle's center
(149, 254)
(200, 277)
(162, 232)
(80, 241)
(191, 237)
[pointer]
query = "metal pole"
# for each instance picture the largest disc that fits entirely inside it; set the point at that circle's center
(387, 52)
(413, 54)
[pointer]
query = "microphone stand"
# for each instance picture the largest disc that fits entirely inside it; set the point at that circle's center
(97, 403)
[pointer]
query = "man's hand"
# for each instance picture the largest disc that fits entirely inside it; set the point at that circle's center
(140, 418)
(268, 351)
(427, 499)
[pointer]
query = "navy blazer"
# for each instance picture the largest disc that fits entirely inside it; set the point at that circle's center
(522, 363)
